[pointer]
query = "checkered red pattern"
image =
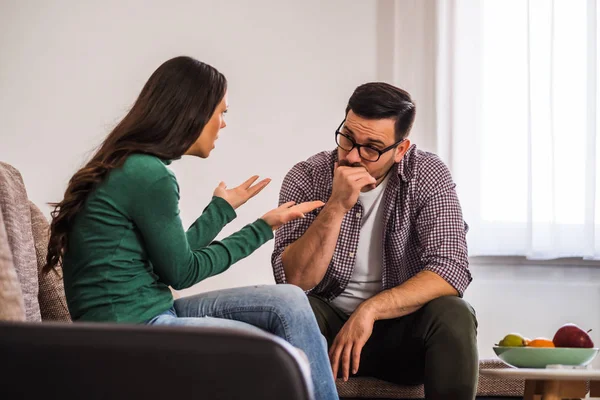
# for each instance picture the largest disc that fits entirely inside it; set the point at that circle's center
(424, 227)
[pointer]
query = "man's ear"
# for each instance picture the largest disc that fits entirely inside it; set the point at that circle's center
(401, 150)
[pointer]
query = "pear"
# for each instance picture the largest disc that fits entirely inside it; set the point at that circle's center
(512, 340)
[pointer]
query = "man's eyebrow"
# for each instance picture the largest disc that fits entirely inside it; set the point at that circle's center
(375, 141)
(369, 141)
(348, 130)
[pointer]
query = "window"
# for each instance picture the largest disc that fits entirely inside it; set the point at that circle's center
(518, 110)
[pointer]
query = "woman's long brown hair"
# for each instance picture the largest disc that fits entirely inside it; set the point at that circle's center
(165, 120)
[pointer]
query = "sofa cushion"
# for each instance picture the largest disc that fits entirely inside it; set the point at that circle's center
(364, 387)
(17, 223)
(12, 307)
(51, 296)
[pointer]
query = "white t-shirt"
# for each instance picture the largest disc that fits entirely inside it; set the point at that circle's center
(366, 276)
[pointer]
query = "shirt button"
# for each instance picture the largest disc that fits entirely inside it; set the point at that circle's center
(351, 254)
(358, 215)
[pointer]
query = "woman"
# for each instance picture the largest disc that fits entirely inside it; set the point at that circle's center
(121, 242)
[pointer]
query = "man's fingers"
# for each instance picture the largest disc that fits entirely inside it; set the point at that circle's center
(348, 172)
(334, 356)
(365, 181)
(332, 349)
(346, 360)
(356, 350)
(359, 174)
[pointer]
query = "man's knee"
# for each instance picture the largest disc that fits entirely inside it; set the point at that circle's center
(452, 312)
(451, 348)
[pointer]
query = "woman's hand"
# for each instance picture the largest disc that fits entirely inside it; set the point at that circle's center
(288, 212)
(241, 194)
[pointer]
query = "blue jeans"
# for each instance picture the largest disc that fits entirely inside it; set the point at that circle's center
(282, 310)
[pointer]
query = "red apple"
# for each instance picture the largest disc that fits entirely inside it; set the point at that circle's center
(570, 335)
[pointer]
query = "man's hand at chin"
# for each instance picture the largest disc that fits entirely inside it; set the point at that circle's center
(347, 184)
(345, 163)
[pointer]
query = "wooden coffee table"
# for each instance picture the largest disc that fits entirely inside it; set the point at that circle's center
(551, 384)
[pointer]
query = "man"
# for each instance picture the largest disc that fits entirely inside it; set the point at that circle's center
(385, 261)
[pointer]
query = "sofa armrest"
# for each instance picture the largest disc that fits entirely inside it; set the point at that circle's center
(101, 361)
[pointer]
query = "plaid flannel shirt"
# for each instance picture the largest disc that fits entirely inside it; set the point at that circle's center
(424, 228)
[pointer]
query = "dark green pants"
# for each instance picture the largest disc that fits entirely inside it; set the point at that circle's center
(436, 345)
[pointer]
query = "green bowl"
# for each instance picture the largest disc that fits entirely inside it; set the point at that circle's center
(540, 357)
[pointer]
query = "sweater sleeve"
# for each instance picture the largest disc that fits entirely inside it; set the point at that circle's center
(182, 260)
(205, 229)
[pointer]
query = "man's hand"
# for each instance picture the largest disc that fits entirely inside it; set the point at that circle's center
(347, 183)
(241, 194)
(348, 343)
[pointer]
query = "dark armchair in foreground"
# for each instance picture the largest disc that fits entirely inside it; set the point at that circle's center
(44, 355)
(107, 361)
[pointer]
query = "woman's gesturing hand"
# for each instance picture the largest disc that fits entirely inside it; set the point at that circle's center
(241, 194)
(289, 211)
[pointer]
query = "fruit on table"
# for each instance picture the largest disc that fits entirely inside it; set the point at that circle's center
(541, 342)
(512, 340)
(570, 335)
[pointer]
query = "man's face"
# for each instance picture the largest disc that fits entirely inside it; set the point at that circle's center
(376, 133)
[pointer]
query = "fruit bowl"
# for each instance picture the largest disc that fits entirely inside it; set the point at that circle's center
(540, 357)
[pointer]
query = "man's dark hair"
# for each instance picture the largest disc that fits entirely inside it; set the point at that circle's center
(379, 100)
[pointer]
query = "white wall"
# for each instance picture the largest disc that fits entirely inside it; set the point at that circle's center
(534, 300)
(69, 70)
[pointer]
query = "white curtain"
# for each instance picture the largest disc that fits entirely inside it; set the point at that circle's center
(517, 105)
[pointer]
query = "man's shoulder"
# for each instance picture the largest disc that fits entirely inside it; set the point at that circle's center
(316, 165)
(420, 164)
(313, 176)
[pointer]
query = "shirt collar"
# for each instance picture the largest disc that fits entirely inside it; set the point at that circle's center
(405, 170)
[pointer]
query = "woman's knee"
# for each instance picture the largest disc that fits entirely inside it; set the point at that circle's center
(291, 303)
(291, 294)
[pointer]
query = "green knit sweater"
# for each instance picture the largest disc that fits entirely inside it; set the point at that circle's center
(127, 245)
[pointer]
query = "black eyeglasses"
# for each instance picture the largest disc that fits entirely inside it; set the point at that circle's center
(365, 152)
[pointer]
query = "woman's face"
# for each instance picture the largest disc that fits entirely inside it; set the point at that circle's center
(206, 141)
